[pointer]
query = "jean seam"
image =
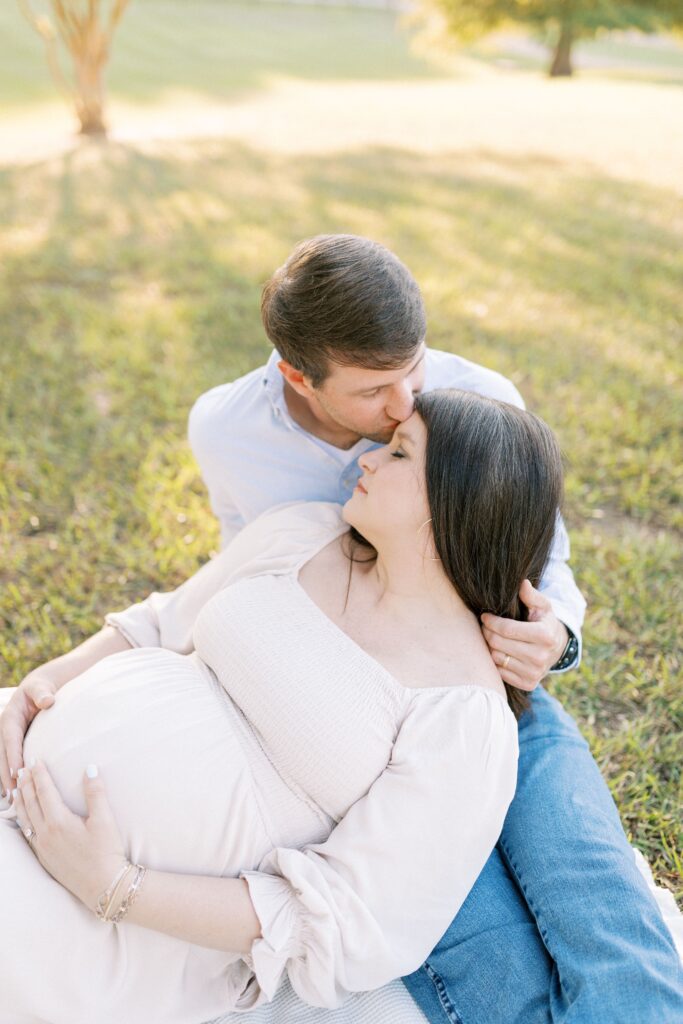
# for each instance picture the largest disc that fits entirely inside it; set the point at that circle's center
(530, 903)
(442, 992)
(532, 907)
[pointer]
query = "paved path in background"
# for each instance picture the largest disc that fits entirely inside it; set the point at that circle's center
(629, 130)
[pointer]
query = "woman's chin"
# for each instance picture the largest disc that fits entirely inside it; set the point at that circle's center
(350, 511)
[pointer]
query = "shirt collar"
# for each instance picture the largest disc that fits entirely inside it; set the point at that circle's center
(273, 383)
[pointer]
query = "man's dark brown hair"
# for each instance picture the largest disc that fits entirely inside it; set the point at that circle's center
(343, 299)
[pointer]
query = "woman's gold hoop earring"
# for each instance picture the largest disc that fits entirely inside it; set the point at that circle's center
(430, 557)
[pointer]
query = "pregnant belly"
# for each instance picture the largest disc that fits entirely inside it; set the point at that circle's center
(159, 728)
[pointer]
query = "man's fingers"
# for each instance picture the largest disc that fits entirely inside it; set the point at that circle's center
(512, 674)
(512, 629)
(515, 672)
(534, 599)
(515, 648)
(514, 680)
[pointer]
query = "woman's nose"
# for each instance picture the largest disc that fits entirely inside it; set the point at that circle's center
(366, 462)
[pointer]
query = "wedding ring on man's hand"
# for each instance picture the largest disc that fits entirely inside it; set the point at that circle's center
(505, 663)
(29, 834)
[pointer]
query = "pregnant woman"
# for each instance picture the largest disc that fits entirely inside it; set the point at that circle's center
(275, 752)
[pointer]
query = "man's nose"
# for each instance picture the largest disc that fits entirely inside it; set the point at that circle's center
(401, 402)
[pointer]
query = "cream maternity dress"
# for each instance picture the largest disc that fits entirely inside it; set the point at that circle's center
(246, 734)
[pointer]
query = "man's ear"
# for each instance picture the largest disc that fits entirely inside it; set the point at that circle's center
(295, 378)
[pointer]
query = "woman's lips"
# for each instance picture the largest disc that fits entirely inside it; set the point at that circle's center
(359, 487)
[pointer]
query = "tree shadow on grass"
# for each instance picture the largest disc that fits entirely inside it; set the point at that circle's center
(133, 283)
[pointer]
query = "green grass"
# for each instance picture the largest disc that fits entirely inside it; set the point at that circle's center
(218, 49)
(131, 283)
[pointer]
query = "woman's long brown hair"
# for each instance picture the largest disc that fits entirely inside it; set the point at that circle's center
(494, 485)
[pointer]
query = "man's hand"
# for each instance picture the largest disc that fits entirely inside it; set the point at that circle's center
(31, 696)
(525, 651)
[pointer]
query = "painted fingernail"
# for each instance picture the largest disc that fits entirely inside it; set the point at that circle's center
(15, 794)
(20, 774)
(91, 771)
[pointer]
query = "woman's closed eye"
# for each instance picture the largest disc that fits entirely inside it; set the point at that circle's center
(398, 454)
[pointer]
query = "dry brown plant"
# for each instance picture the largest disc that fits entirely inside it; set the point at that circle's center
(85, 29)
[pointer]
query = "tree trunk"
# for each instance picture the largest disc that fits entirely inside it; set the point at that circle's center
(562, 61)
(89, 94)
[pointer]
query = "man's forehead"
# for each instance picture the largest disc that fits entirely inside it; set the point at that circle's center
(360, 378)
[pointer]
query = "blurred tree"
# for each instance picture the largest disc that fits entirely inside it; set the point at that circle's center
(567, 20)
(85, 29)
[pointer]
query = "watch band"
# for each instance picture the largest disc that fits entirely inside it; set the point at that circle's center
(569, 654)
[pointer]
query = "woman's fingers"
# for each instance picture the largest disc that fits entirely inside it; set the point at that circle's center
(5, 775)
(52, 807)
(12, 731)
(23, 817)
(30, 697)
(41, 693)
(27, 793)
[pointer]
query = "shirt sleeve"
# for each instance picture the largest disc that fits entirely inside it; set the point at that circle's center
(369, 904)
(560, 588)
(273, 542)
(204, 440)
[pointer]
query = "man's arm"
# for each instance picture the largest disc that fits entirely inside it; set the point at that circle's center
(205, 442)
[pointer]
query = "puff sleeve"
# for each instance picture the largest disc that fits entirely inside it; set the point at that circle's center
(274, 542)
(370, 903)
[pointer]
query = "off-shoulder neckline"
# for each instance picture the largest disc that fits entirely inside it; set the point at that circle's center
(293, 576)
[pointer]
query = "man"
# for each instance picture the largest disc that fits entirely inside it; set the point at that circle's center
(584, 942)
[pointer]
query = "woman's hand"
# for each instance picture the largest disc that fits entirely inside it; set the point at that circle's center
(82, 854)
(33, 694)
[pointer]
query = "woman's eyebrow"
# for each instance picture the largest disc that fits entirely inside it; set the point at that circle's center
(403, 436)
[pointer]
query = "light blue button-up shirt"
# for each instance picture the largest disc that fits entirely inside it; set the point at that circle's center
(253, 456)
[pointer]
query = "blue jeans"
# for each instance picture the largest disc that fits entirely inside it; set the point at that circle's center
(560, 926)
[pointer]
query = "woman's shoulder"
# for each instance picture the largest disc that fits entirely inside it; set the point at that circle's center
(300, 518)
(472, 723)
(284, 535)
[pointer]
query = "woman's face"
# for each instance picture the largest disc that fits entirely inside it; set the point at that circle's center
(390, 498)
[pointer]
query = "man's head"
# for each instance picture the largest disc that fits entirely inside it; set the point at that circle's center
(348, 320)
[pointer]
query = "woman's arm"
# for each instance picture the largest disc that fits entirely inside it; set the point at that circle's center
(213, 912)
(67, 666)
(37, 690)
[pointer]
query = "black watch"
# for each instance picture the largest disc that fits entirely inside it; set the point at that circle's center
(569, 654)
